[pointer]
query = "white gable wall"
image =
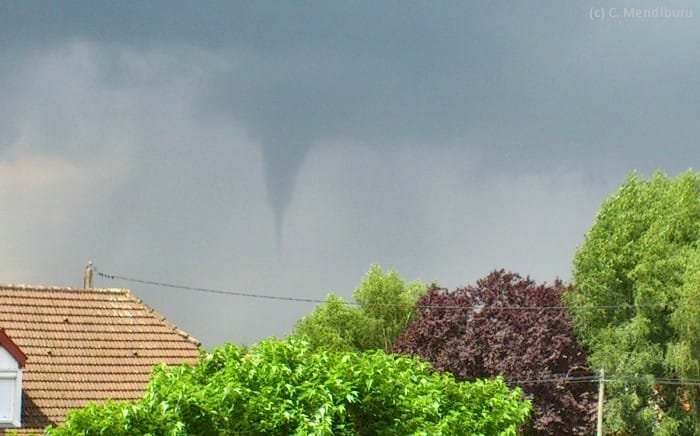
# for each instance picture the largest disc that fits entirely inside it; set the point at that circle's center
(6, 360)
(10, 390)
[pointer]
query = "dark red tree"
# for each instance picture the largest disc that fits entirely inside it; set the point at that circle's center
(511, 326)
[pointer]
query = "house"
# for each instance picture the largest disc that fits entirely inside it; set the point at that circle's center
(67, 347)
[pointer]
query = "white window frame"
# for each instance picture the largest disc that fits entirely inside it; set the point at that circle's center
(15, 421)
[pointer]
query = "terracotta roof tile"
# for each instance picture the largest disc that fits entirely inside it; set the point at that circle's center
(85, 345)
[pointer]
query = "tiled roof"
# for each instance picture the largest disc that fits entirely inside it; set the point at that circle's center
(85, 345)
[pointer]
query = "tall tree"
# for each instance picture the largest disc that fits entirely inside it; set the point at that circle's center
(510, 326)
(385, 306)
(635, 302)
(286, 388)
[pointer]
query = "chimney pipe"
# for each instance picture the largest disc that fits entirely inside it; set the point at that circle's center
(87, 280)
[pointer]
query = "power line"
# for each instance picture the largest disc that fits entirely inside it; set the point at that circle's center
(614, 378)
(555, 379)
(563, 378)
(248, 294)
(654, 380)
(208, 290)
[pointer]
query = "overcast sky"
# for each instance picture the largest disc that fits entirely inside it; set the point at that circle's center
(282, 148)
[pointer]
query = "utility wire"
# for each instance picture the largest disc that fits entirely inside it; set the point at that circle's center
(563, 378)
(614, 378)
(653, 380)
(554, 378)
(476, 308)
(208, 290)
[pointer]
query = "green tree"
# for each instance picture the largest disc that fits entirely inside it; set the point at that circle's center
(637, 283)
(286, 388)
(385, 306)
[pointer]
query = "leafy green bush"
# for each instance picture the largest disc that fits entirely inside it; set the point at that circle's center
(372, 324)
(286, 388)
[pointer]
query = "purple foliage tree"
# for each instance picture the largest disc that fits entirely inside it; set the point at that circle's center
(482, 331)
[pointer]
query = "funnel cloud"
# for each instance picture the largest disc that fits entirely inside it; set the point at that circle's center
(283, 148)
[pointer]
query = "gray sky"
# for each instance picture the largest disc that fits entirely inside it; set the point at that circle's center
(282, 148)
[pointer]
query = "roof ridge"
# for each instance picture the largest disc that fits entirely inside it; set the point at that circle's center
(22, 286)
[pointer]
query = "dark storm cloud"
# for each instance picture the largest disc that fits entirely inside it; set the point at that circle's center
(442, 137)
(533, 84)
(365, 72)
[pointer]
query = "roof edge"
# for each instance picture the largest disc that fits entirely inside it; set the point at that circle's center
(22, 286)
(7, 343)
(165, 321)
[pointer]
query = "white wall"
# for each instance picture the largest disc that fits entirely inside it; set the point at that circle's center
(10, 390)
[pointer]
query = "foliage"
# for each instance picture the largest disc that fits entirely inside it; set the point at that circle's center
(286, 388)
(466, 333)
(641, 259)
(385, 307)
